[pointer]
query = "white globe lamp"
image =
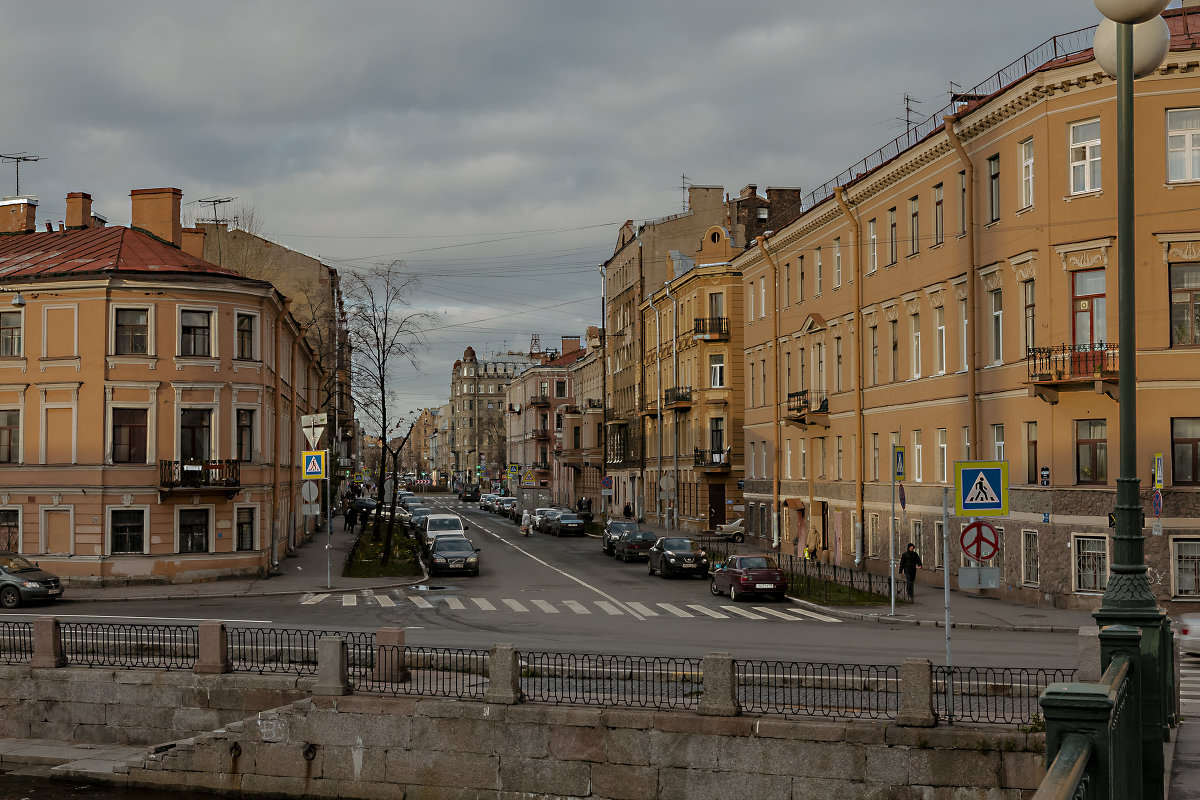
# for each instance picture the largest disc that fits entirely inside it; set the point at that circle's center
(1150, 43)
(1131, 12)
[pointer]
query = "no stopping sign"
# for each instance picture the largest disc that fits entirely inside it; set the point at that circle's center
(980, 541)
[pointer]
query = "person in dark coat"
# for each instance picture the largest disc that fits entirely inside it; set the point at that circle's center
(628, 510)
(351, 518)
(910, 562)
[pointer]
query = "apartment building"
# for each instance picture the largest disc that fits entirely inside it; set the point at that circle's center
(149, 401)
(581, 458)
(954, 294)
(477, 408)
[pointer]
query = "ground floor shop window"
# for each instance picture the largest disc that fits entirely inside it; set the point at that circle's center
(128, 528)
(1187, 567)
(1091, 563)
(193, 530)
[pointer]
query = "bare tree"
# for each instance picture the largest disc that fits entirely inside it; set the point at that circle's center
(384, 331)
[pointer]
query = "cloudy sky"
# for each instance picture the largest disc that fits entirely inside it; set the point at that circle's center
(493, 147)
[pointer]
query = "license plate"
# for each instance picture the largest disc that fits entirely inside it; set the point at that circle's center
(687, 566)
(764, 586)
(56, 591)
(456, 566)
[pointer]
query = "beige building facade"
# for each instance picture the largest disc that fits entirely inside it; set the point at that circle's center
(956, 296)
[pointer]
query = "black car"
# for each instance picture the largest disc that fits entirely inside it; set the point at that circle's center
(546, 520)
(677, 555)
(613, 531)
(453, 554)
(469, 495)
(567, 524)
(23, 582)
(361, 504)
(419, 513)
(633, 544)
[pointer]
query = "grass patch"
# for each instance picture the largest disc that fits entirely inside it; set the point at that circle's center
(830, 594)
(365, 556)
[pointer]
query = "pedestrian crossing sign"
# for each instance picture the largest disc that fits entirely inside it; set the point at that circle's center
(313, 465)
(981, 488)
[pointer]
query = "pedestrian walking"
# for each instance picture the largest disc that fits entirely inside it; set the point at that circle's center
(525, 522)
(351, 518)
(628, 510)
(910, 562)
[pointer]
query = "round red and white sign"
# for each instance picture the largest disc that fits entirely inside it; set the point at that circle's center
(980, 541)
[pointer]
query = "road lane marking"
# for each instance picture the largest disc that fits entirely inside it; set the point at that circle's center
(385, 601)
(709, 612)
(544, 606)
(610, 608)
(455, 604)
(742, 612)
(484, 605)
(804, 612)
(420, 602)
(643, 609)
(515, 605)
(349, 600)
(576, 606)
(316, 598)
(679, 612)
(775, 613)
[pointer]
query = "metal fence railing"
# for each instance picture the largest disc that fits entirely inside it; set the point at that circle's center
(441, 672)
(291, 651)
(992, 694)
(593, 679)
(16, 642)
(104, 644)
(828, 690)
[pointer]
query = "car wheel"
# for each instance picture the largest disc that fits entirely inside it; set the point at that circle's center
(10, 597)
(712, 587)
(739, 538)
(649, 567)
(734, 594)
(662, 571)
(779, 598)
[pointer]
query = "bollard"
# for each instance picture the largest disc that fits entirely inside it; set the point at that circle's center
(720, 687)
(332, 674)
(213, 658)
(504, 676)
(916, 694)
(47, 644)
(1087, 668)
(390, 663)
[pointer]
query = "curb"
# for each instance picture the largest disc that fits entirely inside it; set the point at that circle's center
(929, 623)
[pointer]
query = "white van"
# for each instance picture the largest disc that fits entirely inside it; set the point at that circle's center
(436, 524)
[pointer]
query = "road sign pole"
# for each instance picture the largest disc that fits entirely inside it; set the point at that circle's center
(946, 591)
(892, 539)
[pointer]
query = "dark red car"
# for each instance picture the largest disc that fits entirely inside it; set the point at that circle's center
(746, 575)
(634, 544)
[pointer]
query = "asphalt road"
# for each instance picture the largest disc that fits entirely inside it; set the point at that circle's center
(564, 595)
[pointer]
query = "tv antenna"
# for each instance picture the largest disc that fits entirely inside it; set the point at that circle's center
(15, 159)
(214, 202)
(683, 187)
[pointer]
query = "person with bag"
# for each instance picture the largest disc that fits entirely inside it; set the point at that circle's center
(525, 522)
(910, 562)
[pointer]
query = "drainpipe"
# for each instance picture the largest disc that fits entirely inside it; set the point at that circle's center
(604, 389)
(775, 533)
(675, 380)
(861, 448)
(971, 233)
(277, 453)
(659, 391)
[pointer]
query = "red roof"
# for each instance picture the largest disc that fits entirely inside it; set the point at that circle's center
(96, 250)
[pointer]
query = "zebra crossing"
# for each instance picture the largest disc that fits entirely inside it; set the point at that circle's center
(1189, 687)
(604, 608)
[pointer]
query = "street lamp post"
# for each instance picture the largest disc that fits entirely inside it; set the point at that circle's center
(1128, 599)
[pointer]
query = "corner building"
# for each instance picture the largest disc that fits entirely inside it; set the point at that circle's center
(955, 294)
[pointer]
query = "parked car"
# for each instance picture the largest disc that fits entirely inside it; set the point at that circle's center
(22, 581)
(1189, 634)
(567, 524)
(633, 544)
(486, 500)
(733, 531)
(745, 575)
(417, 515)
(515, 511)
(361, 504)
(613, 531)
(453, 554)
(441, 523)
(505, 505)
(545, 516)
(677, 555)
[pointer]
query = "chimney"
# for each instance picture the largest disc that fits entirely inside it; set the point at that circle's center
(156, 211)
(79, 210)
(570, 344)
(193, 241)
(18, 214)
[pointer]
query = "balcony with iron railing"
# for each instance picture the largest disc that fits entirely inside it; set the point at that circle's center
(195, 475)
(808, 407)
(541, 434)
(712, 329)
(713, 460)
(540, 401)
(571, 411)
(593, 404)
(540, 466)
(1067, 367)
(678, 398)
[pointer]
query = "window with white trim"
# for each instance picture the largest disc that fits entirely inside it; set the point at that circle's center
(1030, 569)
(916, 345)
(917, 460)
(939, 544)
(1091, 563)
(1025, 149)
(10, 529)
(1183, 144)
(246, 526)
(939, 226)
(247, 338)
(998, 442)
(195, 333)
(914, 225)
(943, 456)
(873, 536)
(10, 436)
(1085, 156)
(127, 530)
(817, 255)
(12, 327)
(131, 335)
(837, 262)
(994, 188)
(1185, 566)
(872, 247)
(716, 370)
(997, 302)
(194, 530)
(939, 322)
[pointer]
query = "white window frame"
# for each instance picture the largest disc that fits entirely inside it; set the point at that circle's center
(939, 544)
(998, 441)
(256, 356)
(762, 297)
(257, 527)
(214, 433)
(1076, 538)
(939, 214)
(817, 255)
(873, 535)
(108, 529)
(914, 225)
(24, 317)
(875, 456)
(750, 302)
(20, 525)
(915, 322)
(1025, 149)
(151, 337)
(872, 247)
(939, 321)
(256, 436)
(996, 300)
(1085, 154)
(1190, 148)
(837, 262)
(212, 527)
(787, 455)
(943, 455)
(966, 344)
(214, 347)
(1031, 574)
(917, 461)
(716, 371)
(150, 405)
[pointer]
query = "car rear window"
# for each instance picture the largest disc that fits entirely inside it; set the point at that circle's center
(759, 562)
(569, 518)
(436, 524)
(641, 536)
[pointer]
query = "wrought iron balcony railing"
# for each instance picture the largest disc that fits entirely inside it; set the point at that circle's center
(224, 474)
(808, 401)
(1072, 362)
(711, 327)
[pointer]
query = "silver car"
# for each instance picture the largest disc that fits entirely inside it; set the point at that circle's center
(1189, 634)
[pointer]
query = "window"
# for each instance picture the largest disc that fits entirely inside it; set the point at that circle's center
(875, 456)
(1185, 451)
(962, 314)
(132, 331)
(1085, 157)
(10, 436)
(993, 188)
(998, 442)
(787, 276)
(762, 297)
(820, 365)
(1185, 304)
(873, 536)
(939, 232)
(997, 303)
(195, 333)
(892, 235)
(819, 271)
(837, 356)
(1029, 558)
(128, 530)
(195, 434)
(245, 434)
(129, 435)
(716, 370)
(750, 371)
(838, 454)
(753, 459)
(245, 337)
(916, 345)
(1186, 567)
(1183, 144)
(800, 279)
(895, 350)
(244, 535)
(962, 203)
(1032, 471)
(917, 535)
(1088, 305)
(803, 459)
(939, 321)
(914, 225)
(872, 247)
(917, 460)
(966, 442)
(10, 333)
(943, 456)
(1091, 563)
(1030, 317)
(560, 388)
(837, 262)
(1091, 451)
(10, 529)
(1026, 151)
(939, 544)
(750, 303)
(193, 530)
(874, 374)
(787, 459)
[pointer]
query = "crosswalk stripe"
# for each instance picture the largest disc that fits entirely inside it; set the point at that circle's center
(804, 612)
(455, 603)
(775, 613)
(420, 602)
(709, 612)
(610, 608)
(679, 612)
(515, 605)
(316, 598)
(546, 607)
(385, 601)
(349, 600)
(643, 609)
(743, 612)
(484, 605)
(576, 606)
